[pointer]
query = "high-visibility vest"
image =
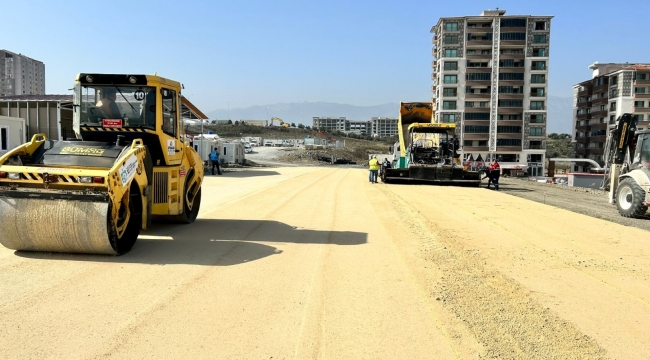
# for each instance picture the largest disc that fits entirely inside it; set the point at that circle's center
(374, 164)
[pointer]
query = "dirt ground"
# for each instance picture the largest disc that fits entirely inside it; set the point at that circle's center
(316, 262)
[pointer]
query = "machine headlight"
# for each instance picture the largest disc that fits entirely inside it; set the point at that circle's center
(13, 176)
(85, 179)
(89, 78)
(132, 79)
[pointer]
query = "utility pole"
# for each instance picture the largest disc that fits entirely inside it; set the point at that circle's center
(228, 102)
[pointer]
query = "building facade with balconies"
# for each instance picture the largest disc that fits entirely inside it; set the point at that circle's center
(490, 78)
(377, 126)
(20, 75)
(613, 90)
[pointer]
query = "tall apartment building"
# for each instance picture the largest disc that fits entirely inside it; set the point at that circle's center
(20, 75)
(613, 90)
(380, 126)
(490, 77)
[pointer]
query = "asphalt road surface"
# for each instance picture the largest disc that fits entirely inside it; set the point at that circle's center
(317, 263)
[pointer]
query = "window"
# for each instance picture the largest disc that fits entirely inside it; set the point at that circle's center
(469, 104)
(639, 90)
(535, 131)
(451, 26)
(451, 65)
(450, 79)
(451, 53)
(599, 81)
(612, 119)
(224, 150)
(449, 105)
(509, 117)
(540, 52)
(448, 118)
(537, 92)
(612, 106)
(478, 76)
(539, 39)
(4, 139)
(613, 93)
(535, 145)
(483, 104)
(537, 79)
(513, 36)
(511, 103)
(508, 142)
(536, 105)
(602, 108)
(449, 92)
(641, 76)
(511, 63)
(639, 104)
(467, 142)
(477, 116)
(538, 65)
(511, 76)
(477, 129)
(170, 113)
(482, 143)
(471, 52)
(511, 89)
(640, 118)
(485, 52)
(540, 25)
(613, 80)
(509, 129)
(513, 22)
(451, 39)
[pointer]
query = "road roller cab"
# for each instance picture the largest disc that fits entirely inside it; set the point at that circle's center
(94, 193)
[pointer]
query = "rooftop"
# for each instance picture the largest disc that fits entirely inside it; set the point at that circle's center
(63, 98)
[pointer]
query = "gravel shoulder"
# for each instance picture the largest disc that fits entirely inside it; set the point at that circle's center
(588, 202)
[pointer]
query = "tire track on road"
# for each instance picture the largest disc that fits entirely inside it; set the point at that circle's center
(499, 311)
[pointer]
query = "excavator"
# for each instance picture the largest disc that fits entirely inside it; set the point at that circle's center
(282, 123)
(126, 166)
(627, 164)
(426, 151)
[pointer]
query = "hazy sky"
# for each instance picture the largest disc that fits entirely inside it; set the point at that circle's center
(240, 53)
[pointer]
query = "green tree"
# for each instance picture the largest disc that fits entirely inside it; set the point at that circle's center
(301, 126)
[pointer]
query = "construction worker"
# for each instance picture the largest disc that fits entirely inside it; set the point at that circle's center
(373, 164)
(495, 172)
(214, 159)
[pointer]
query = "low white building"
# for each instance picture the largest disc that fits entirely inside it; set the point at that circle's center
(205, 146)
(13, 133)
(232, 152)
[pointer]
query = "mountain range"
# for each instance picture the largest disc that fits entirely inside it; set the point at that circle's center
(559, 112)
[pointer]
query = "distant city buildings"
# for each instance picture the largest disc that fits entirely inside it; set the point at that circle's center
(20, 75)
(379, 126)
(490, 77)
(613, 90)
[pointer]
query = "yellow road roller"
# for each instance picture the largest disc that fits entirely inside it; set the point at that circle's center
(126, 166)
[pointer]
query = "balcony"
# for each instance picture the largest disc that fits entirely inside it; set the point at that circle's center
(641, 96)
(598, 138)
(584, 104)
(600, 88)
(533, 108)
(599, 101)
(476, 149)
(642, 82)
(599, 113)
(479, 42)
(477, 95)
(538, 67)
(512, 56)
(537, 94)
(479, 57)
(513, 42)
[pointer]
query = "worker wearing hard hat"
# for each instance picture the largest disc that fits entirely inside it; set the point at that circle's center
(373, 164)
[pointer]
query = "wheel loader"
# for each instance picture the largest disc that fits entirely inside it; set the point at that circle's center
(426, 151)
(628, 167)
(125, 167)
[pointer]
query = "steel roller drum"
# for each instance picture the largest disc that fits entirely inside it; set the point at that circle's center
(55, 226)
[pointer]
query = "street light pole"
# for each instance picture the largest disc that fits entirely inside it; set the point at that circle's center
(228, 102)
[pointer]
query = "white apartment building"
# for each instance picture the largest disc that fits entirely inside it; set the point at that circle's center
(20, 75)
(377, 126)
(490, 77)
(613, 90)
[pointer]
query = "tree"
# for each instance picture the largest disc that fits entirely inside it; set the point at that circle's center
(308, 127)
(301, 126)
(293, 125)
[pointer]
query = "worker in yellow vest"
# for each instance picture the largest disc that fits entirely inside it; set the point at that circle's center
(373, 164)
